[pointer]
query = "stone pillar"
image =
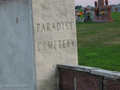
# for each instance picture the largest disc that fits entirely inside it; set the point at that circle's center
(100, 2)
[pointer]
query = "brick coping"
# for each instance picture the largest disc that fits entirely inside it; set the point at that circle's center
(92, 70)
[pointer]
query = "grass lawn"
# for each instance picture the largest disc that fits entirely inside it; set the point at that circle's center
(99, 44)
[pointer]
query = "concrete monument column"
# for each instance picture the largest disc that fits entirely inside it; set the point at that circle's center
(100, 2)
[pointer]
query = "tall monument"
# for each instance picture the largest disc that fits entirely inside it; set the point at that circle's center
(35, 36)
(100, 2)
(102, 12)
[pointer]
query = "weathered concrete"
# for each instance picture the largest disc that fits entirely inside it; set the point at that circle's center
(106, 73)
(55, 39)
(77, 68)
(35, 36)
(16, 46)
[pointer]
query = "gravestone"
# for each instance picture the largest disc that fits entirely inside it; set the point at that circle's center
(118, 8)
(87, 14)
(113, 8)
(36, 35)
(92, 14)
(102, 12)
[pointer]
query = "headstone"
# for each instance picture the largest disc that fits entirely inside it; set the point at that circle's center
(118, 8)
(87, 14)
(113, 8)
(92, 14)
(102, 12)
(36, 35)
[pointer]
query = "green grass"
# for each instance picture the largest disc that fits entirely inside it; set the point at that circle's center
(99, 44)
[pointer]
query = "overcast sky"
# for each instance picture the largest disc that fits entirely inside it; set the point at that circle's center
(91, 2)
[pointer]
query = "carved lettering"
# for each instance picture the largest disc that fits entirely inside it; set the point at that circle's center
(50, 45)
(72, 40)
(43, 27)
(53, 26)
(68, 43)
(39, 46)
(48, 27)
(67, 27)
(57, 44)
(38, 27)
(59, 26)
(44, 43)
(64, 44)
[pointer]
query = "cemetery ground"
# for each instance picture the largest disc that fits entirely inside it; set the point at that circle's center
(99, 44)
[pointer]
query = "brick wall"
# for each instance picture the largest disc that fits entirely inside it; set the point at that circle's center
(87, 78)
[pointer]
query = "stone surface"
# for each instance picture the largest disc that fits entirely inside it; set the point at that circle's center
(100, 2)
(16, 46)
(106, 73)
(91, 70)
(36, 35)
(102, 17)
(55, 39)
(77, 68)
